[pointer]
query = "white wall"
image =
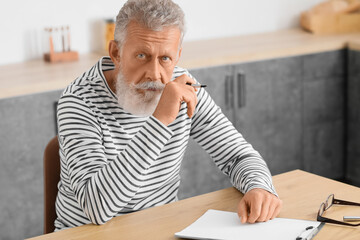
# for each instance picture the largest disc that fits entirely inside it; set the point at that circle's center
(22, 21)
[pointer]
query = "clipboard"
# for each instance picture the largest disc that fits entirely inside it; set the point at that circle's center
(215, 224)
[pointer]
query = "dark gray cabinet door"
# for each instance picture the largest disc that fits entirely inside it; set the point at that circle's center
(270, 119)
(290, 109)
(353, 118)
(27, 124)
(199, 174)
(323, 113)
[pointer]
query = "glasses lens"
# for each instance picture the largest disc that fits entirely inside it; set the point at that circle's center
(321, 209)
(329, 201)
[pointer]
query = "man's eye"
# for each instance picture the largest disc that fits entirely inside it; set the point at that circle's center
(165, 59)
(141, 56)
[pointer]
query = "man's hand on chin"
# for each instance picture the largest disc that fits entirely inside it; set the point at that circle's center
(174, 93)
(258, 205)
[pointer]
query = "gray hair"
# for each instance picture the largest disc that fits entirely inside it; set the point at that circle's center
(152, 14)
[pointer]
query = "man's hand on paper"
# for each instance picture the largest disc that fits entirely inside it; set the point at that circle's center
(258, 205)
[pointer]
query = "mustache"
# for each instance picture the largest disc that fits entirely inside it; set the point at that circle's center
(150, 85)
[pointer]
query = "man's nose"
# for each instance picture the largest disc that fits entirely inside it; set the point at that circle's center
(153, 70)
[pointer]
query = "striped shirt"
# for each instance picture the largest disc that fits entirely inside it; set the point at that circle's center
(113, 162)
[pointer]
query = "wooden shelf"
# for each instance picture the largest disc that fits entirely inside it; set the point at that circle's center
(38, 76)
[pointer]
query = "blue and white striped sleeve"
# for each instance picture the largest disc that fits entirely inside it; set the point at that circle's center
(233, 155)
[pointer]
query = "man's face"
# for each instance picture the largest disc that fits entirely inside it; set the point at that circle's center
(147, 61)
(149, 55)
(146, 64)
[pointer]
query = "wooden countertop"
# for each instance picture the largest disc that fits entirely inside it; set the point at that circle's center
(301, 193)
(37, 76)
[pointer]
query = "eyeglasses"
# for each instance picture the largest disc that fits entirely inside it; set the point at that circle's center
(327, 204)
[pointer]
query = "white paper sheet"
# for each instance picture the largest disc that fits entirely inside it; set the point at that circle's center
(216, 224)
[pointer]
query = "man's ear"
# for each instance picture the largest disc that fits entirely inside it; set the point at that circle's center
(179, 55)
(114, 52)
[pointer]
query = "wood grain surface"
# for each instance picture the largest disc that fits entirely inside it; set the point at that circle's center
(301, 192)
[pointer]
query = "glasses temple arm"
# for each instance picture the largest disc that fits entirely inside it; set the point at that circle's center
(328, 220)
(343, 202)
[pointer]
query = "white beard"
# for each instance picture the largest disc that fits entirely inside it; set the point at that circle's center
(140, 104)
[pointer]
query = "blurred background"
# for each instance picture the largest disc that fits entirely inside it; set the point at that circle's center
(22, 22)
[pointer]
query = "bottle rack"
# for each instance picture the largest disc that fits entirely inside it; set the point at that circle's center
(63, 53)
(61, 56)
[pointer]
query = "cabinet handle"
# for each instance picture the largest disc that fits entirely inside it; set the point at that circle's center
(231, 91)
(241, 100)
(229, 86)
(226, 94)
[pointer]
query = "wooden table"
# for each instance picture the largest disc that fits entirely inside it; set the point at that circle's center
(301, 192)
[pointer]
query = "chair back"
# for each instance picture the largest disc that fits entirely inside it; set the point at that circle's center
(51, 179)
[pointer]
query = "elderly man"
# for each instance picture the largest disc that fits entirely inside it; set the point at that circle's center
(125, 123)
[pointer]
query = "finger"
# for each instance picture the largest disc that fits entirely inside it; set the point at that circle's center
(264, 210)
(255, 210)
(191, 100)
(274, 204)
(193, 105)
(277, 210)
(183, 79)
(243, 211)
(271, 211)
(196, 89)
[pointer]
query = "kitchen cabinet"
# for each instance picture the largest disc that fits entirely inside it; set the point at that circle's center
(353, 118)
(324, 113)
(270, 118)
(268, 115)
(27, 124)
(290, 109)
(295, 112)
